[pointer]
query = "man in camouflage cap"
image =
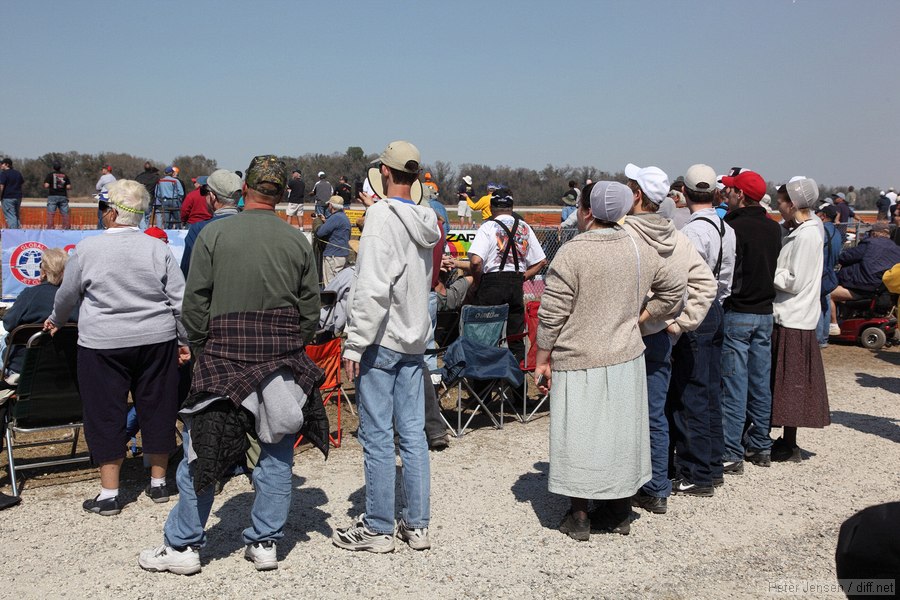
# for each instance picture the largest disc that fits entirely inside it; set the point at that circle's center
(248, 316)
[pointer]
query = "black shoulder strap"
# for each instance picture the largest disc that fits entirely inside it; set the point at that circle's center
(721, 229)
(510, 243)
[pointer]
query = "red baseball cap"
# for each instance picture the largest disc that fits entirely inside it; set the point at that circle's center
(749, 182)
(157, 233)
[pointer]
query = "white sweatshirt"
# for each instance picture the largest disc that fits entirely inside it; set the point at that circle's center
(388, 303)
(798, 278)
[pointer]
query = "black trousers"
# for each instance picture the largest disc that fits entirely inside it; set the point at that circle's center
(506, 288)
(105, 377)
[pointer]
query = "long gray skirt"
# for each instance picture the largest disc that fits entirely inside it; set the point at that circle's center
(599, 431)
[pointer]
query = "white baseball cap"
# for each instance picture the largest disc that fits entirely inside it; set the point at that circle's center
(653, 181)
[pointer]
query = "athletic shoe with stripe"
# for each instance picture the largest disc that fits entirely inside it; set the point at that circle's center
(417, 538)
(167, 558)
(359, 537)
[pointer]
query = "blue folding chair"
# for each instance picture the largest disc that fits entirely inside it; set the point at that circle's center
(478, 355)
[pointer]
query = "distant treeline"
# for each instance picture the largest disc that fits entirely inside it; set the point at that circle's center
(529, 187)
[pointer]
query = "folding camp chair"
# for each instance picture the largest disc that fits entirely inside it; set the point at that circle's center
(477, 356)
(528, 364)
(46, 397)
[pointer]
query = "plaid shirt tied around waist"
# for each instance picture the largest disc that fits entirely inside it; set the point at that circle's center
(243, 348)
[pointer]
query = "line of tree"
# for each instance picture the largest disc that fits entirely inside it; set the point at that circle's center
(529, 187)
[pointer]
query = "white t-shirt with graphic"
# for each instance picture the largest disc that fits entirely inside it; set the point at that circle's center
(491, 239)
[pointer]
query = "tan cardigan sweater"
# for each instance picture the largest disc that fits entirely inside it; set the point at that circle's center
(592, 300)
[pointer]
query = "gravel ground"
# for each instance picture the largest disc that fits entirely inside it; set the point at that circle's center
(493, 525)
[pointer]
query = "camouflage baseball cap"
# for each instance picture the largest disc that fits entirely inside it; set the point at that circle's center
(267, 175)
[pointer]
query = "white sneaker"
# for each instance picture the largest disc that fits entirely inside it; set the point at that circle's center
(167, 558)
(263, 555)
(416, 538)
(834, 329)
(359, 537)
(436, 378)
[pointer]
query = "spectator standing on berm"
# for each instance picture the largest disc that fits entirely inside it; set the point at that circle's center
(57, 185)
(799, 394)
(11, 182)
(102, 185)
(591, 354)
(130, 339)
(322, 191)
(249, 309)
(386, 336)
(296, 196)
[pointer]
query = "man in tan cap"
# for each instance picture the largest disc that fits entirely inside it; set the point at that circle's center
(387, 329)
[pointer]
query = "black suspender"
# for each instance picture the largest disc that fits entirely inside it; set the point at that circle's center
(721, 229)
(510, 243)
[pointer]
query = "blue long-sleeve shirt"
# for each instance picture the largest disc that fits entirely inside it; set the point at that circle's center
(169, 188)
(336, 231)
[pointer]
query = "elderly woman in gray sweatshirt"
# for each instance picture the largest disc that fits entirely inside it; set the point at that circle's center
(130, 338)
(590, 358)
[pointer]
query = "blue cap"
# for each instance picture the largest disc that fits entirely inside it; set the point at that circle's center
(202, 180)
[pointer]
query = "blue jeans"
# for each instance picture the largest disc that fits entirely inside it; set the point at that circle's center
(694, 401)
(58, 202)
(431, 359)
(746, 386)
(271, 480)
(824, 321)
(657, 358)
(11, 208)
(390, 393)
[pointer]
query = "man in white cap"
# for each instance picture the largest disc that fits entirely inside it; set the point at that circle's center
(322, 191)
(694, 403)
(464, 193)
(685, 266)
(387, 329)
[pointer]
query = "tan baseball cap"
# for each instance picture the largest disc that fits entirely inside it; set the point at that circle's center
(401, 156)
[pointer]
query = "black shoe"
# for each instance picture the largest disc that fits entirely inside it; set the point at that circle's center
(718, 481)
(760, 458)
(681, 486)
(577, 529)
(654, 504)
(733, 467)
(8, 501)
(602, 522)
(158, 494)
(439, 442)
(105, 508)
(782, 452)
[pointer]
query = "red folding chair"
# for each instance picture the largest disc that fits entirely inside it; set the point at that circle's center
(528, 365)
(327, 356)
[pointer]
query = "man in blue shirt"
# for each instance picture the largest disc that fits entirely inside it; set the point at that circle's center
(11, 182)
(334, 232)
(224, 189)
(169, 194)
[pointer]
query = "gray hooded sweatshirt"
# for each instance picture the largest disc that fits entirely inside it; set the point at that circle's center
(388, 303)
(682, 259)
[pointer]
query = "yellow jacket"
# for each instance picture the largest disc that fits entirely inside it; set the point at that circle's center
(483, 204)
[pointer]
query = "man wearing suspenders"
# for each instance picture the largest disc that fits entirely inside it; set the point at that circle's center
(694, 389)
(504, 254)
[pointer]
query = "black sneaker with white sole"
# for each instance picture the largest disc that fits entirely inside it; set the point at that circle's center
(159, 494)
(104, 508)
(682, 486)
(733, 467)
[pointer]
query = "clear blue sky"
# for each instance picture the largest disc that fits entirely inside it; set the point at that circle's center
(786, 87)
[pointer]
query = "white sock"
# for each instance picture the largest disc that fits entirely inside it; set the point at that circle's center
(157, 481)
(106, 494)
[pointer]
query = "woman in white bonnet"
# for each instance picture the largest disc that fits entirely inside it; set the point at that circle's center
(590, 358)
(799, 395)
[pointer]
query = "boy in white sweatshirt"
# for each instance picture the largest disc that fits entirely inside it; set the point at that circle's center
(387, 327)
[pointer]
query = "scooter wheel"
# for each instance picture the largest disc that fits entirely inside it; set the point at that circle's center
(872, 338)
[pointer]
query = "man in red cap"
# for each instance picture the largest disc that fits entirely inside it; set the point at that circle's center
(746, 349)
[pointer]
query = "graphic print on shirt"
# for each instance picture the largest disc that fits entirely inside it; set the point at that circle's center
(521, 241)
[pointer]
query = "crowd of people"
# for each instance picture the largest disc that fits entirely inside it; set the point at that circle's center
(676, 330)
